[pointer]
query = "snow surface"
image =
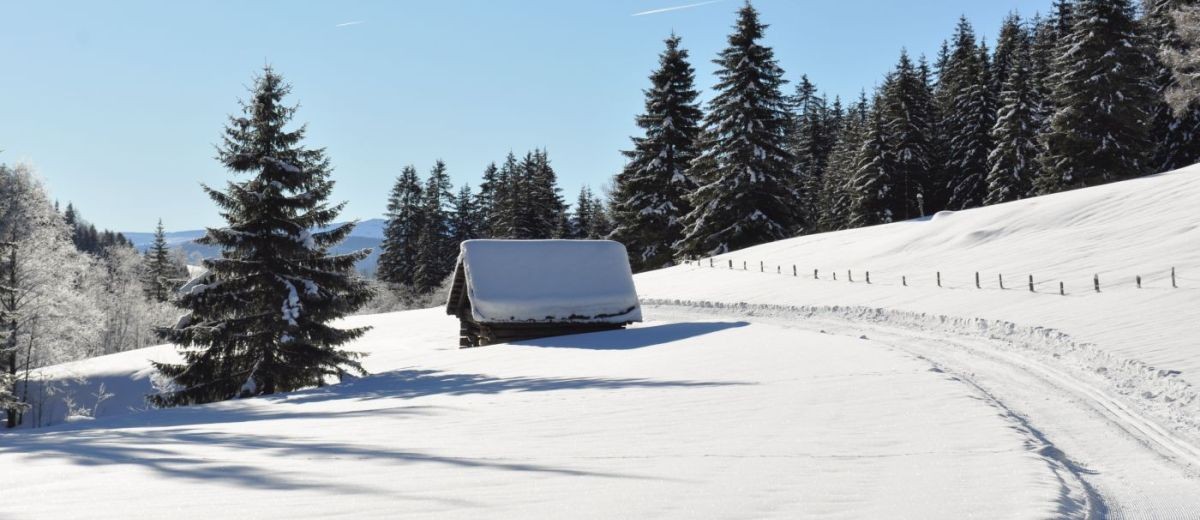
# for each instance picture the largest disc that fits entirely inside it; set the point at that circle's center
(688, 419)
(751, 393)
(549, 280)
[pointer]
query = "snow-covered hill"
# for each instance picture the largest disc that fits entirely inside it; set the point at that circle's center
(752, 393)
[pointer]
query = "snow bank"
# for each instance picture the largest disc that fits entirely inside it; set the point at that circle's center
(549, 280)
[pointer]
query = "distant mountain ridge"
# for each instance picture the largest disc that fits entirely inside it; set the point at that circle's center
(367, 234)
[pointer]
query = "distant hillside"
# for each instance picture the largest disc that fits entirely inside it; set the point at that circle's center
(366, 235)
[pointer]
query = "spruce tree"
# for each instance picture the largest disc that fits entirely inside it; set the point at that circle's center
(544, 215)
(810, 142)
(871, 187)
(435, 254)
(969, 115)
(747, 190)
(162, 275)
(582, 214)
(485, 200)
(1012, 37)
(465, 222)
(1014, 159)
(651, 192)
(508, 200)
(398, 259)
(835, 192)
(260, 322)
(1102, 91)
(904, 108)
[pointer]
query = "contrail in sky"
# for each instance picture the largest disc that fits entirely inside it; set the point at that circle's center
(676, 8)
(348, 24)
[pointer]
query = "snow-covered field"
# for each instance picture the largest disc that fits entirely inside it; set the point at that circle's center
(748, 395)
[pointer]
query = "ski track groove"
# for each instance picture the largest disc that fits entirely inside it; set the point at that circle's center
(1079, 495)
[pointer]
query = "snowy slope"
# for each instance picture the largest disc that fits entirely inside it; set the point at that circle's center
(684, 419)
(1146, 341)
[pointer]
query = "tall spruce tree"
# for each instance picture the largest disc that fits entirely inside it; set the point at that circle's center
(650, 198)
(485, 200)
(1102, 91)
(545, 214)
(835, 193)
(398, 259)
(435, 250)
(1176, 133)
(747, 190)
(162, 275)
(810, 143)
(969, 115)
(466, 221)
(871, 187)
(1014, 159)
(1012, 36)
(259, 324)
(904, 107)
(509, 197)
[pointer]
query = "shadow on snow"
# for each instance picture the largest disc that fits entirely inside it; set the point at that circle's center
(637, 337)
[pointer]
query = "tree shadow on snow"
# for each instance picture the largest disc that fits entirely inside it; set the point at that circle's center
(637, 337)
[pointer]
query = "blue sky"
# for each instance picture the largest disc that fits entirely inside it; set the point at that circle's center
(119, 104)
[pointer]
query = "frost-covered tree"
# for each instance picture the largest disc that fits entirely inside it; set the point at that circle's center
(1182, 55)
(1013, 161)
(259, 321)
(435, 250)
(969, 114)
(48, 319)
(1175, 116)
(651, 192)
(118, 285)
(747, 191)
(1102, 90)
(398, 258)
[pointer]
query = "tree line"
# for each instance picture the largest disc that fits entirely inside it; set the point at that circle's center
(517, 199)
(1073, 99)
(67, 292)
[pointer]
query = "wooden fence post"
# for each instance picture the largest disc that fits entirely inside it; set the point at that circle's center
(868, 277)
(1001, 278)
(815, 277)
(762, 268)
(850, 276)
(1096, 282)
(1061, 290)
(977, 286)
(1138, 279)
(778, 269)
(904, 280)
(1173, 285)
(731, 263)
(710, 262)
(1031, 284)
(939, 278)
(794, 271)
(744, 268)
(835, 276)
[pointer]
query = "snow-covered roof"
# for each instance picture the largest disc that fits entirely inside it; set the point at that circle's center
(574, 281)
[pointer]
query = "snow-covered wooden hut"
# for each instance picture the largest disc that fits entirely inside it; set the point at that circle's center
(508, 290)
